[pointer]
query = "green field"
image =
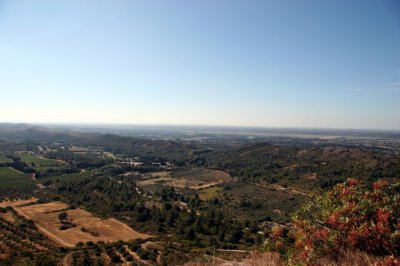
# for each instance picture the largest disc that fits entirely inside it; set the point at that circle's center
(11, 177)
(4, 159)
(29, 159)
(57, 178)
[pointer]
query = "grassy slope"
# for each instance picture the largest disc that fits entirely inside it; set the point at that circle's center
(11, 177)
(66, 176)
(27, 158)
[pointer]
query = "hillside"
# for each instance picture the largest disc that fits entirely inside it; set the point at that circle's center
(309, 168)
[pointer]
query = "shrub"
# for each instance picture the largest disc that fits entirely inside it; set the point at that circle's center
(62, 216)
(146, 254)
(115, 258)
(64, 227)
(350, 217)
(134, 247)
(26, 253)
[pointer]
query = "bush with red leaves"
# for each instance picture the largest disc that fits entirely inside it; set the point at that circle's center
(349, 217)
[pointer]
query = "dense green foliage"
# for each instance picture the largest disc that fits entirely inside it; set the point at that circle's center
(306, 167)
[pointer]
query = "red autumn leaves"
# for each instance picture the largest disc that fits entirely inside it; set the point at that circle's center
(350, 217)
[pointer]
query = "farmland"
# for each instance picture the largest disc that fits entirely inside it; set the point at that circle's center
(18, 234)
(41, 241)
(16, 203)
(85, 228)
(203, 174)
(4, 159)
(58, 178)
(193, 178)
(12, 177)
(40, 162)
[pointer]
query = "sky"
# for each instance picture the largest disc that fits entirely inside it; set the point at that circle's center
(299, 63)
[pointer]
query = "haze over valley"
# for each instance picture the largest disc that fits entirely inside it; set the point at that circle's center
(200, 133)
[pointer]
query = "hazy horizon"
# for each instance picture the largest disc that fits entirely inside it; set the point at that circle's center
(192, 126)
(268, 64)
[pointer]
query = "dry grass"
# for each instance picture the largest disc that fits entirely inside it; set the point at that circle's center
(349, 259)
(273, 259)
(32, 210)
(178, 183)
(46, 219)
(255, 259)
(160, 174)
(15, 203)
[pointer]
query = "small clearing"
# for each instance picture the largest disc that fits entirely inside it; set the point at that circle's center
(193, 178)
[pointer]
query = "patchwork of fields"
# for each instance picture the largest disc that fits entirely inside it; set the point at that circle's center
(65, 176)
(10, 177)
(29, 159)
(40, 163)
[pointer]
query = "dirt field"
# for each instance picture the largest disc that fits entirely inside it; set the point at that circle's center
(194, 178)
(179, 183)
(87, 227)
(15, 203)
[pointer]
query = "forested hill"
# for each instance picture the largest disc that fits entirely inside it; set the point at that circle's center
(305, 167)
(174, 150)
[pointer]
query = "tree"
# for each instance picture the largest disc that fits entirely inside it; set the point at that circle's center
(62, 216)
(190, 234)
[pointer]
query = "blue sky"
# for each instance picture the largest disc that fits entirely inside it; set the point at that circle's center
(307, 63)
